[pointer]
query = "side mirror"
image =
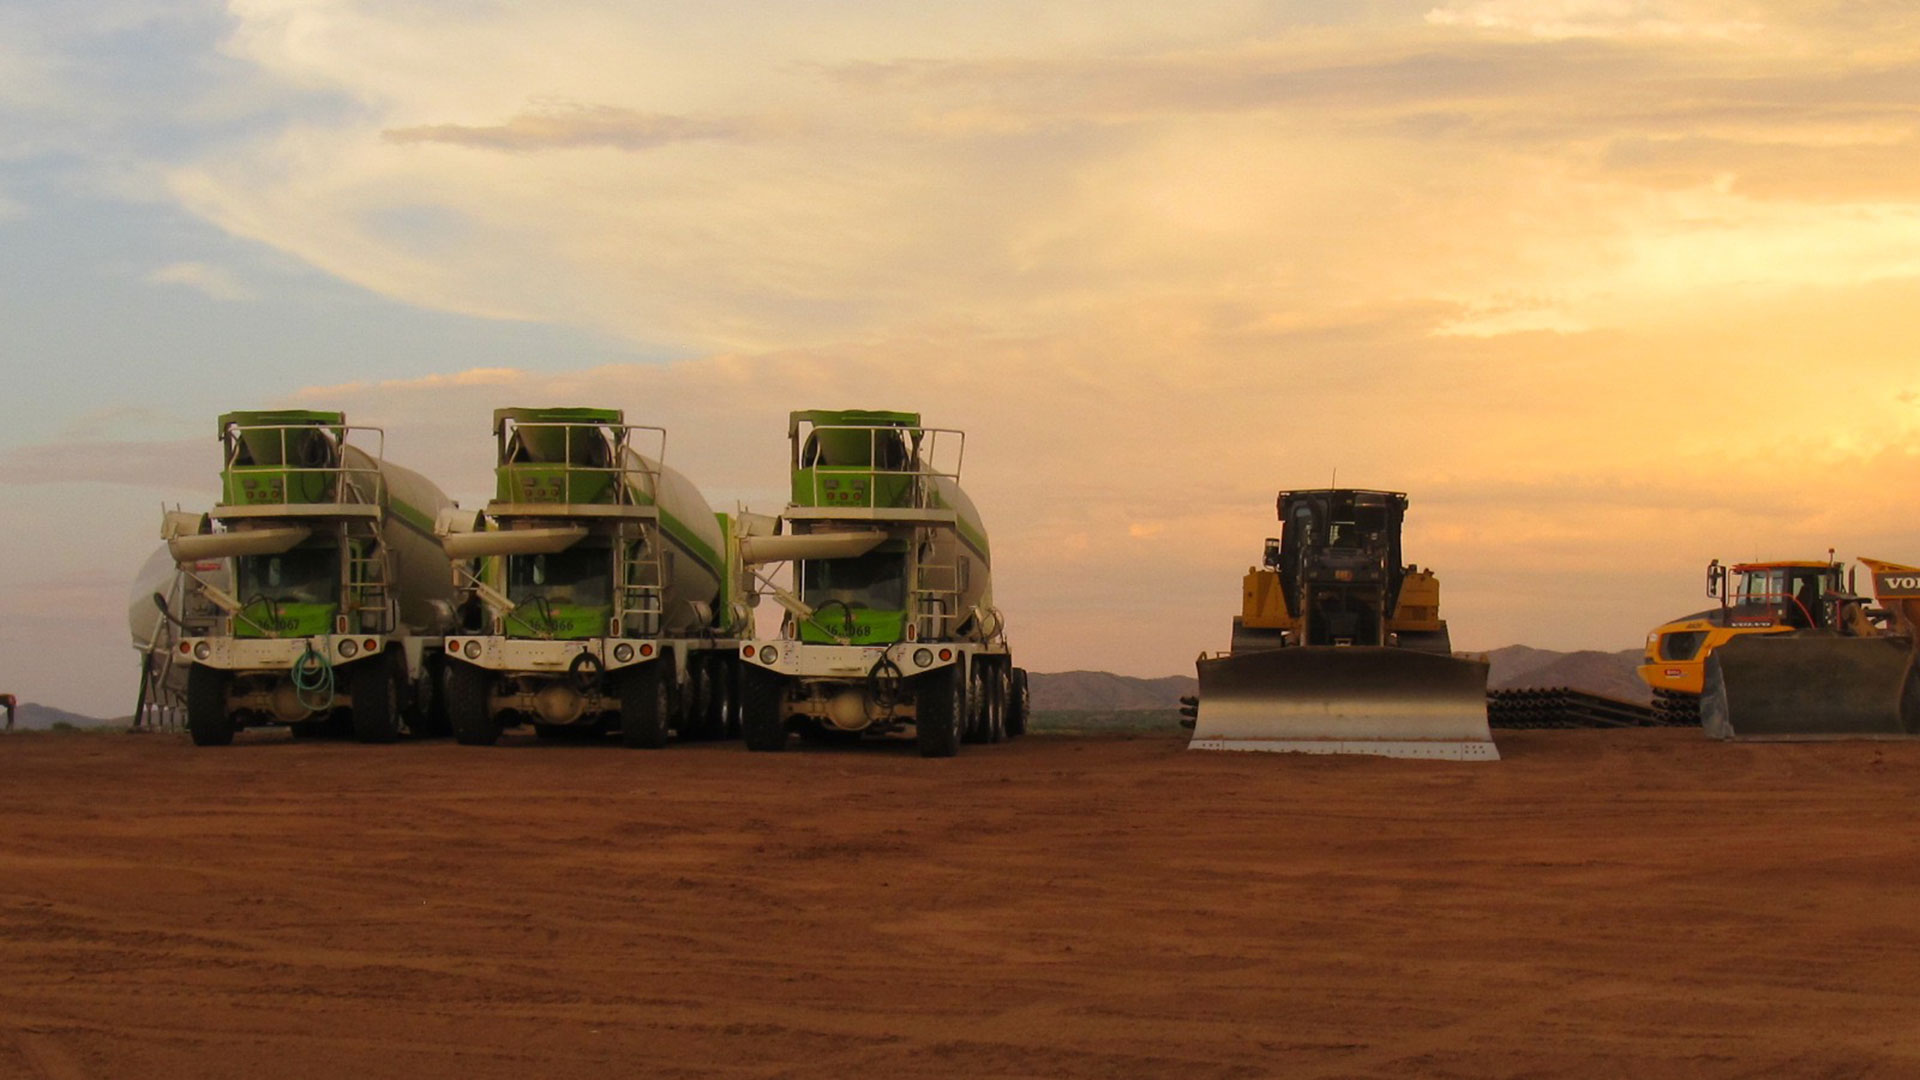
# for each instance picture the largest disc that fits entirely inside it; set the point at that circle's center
(1716, 580)
(160, 601)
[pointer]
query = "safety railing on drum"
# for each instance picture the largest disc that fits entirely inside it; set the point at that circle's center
(595, 462)
(306, 463)
(898, 470)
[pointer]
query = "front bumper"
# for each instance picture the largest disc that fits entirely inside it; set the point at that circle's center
(277, 654)
(519, 655)
(798, 661)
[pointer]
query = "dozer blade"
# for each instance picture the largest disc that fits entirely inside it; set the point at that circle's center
(1785, 686)
(1313, 700)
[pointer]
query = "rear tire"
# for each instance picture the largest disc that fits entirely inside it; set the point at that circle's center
(645, 705)
(696, 719)
(428, 717)
(726, 698)
(761, 722)
(208, 722)
(376, 700)
(974, 725)
(1019, 704)
(467, 693)
(940, 706)
(997, 694)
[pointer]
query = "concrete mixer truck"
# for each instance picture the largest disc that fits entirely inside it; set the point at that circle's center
(599, 591)
(890, 621)
(339, 596)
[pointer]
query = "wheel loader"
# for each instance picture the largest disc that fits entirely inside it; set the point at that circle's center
(1756, 598)
(1339, 647)
(1852, 678)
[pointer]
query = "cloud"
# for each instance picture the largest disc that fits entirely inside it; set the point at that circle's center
(578, 126)
(214, 281)
(870, 178)
(1655, 19)
(169, 464)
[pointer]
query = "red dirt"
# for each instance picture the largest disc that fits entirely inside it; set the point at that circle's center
(1634, 903)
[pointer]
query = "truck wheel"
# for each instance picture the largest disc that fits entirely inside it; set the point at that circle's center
(973, 727)
(208, 721)
(645, 704)
(997, 694)
(1019, 704)
(705, 719)
(726, 699)
(428, 717)
(376, 686)
(473, 724)
(940, 702)
(760, 721)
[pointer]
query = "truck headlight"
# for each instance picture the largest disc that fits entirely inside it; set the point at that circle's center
(922, 657)
(471, 650)
(348, 649)
(623, 652)
(768, 654)
(202, 650)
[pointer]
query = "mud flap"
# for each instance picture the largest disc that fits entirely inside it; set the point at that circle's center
(1786, 686)
(1383, 701)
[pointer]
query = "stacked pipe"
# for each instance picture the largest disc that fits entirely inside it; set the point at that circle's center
(1564, 707)
(1677, 708)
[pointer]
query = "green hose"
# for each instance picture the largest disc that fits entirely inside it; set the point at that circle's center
(312, 675)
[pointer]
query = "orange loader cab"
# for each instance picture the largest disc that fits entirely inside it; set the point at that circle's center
(1755, 598)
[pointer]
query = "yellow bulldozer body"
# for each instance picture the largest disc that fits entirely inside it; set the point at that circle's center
(1263, 605)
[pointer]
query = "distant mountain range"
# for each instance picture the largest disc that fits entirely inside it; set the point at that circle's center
(1608, 674)
(32, 717)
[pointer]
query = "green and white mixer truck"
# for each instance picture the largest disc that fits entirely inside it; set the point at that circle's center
(600, 591)
(332, 594)
(890, 622)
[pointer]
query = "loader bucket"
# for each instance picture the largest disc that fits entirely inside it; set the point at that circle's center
(1788, 686)
(1313, 700)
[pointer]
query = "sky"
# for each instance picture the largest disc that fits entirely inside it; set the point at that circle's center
(1608, 287)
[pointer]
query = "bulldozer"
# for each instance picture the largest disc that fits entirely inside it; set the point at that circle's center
(1756, 598)
(1853, 677)
(1339, 647)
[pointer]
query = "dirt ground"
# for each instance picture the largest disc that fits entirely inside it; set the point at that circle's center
(1625, 903)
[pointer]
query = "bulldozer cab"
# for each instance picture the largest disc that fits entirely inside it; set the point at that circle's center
(1338, 558)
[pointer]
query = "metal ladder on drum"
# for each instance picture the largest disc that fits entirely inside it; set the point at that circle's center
(643, 586)
(936, 593)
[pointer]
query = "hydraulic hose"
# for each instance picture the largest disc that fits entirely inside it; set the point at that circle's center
(313, 675)
(586, 671)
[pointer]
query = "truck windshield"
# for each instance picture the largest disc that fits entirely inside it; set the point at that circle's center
(876, 580)
(580, 577)
(305, 575)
